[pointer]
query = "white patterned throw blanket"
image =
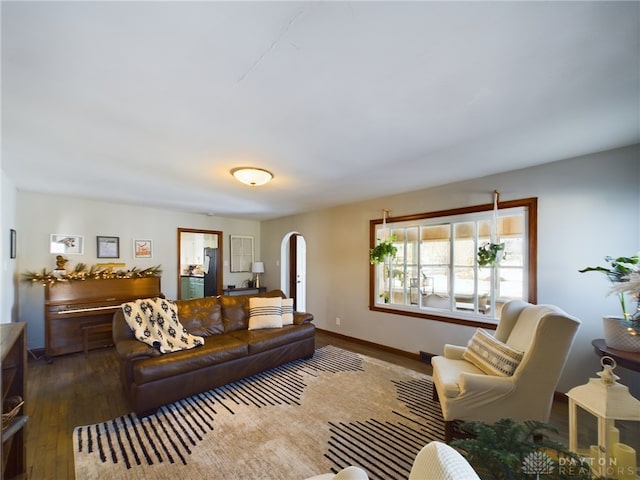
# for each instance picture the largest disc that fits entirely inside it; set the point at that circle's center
(154, 321)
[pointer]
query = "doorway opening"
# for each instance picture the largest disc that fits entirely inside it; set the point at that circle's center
(293, 269)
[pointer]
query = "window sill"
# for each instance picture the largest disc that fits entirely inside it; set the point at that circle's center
(458, 318)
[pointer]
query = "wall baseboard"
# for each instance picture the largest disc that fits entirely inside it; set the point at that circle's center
(413, 356)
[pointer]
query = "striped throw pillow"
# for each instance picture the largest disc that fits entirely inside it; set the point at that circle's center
(265, 313)
(491, 355)
(287, 311)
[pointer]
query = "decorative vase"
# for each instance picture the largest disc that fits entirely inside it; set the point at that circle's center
(616, 335)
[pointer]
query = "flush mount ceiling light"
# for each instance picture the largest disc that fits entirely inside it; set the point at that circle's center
(252, 176)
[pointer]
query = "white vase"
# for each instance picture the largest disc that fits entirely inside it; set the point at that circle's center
(617, 336)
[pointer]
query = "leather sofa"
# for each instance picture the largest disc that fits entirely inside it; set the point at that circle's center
(231, 351)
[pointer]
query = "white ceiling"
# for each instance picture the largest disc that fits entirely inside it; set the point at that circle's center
(153, 103)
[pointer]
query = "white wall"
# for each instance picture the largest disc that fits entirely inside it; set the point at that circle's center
(8, 277)
(40, 215)
(589, 207)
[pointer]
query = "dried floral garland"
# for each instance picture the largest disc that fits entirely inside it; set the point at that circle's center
(80, 272)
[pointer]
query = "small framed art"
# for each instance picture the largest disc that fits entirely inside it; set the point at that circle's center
(142, 249)
(66, 244)
(108, 247)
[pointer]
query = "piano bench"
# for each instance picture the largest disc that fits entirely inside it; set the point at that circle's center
(90, 329)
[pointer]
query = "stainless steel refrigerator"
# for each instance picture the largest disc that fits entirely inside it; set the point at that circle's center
(210, 268)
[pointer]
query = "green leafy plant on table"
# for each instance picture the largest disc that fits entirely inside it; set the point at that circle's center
(624, 274)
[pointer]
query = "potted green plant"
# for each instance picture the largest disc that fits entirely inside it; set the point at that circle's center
(510, 450)
(490, 254)
(384, 249)
(622, 332)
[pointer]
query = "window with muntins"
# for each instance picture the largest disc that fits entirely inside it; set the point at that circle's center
(435, 273)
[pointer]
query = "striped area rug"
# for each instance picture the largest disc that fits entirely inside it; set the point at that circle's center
(295, 421)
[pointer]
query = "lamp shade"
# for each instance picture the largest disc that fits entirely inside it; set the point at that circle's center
(252, 176)
(257, 267)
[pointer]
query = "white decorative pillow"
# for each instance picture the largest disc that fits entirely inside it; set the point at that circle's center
(491, 355)
(439, 460)
(265, 313)
(287, 311)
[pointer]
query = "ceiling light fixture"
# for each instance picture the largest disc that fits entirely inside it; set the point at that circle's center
(252, 176)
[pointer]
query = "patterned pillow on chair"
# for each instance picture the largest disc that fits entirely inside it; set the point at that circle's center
(491, 355)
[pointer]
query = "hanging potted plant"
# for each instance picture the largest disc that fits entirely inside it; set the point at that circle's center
(384, 249)
(490, 254)
(622, 332)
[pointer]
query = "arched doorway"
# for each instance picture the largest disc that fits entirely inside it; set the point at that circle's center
(293, 269)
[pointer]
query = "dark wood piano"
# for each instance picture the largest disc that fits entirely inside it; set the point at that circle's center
(71, 307)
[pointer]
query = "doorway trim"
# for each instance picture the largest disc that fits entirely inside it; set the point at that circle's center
(285, 269)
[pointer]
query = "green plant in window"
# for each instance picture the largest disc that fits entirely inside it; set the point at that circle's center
(490, 254)
(384, 249)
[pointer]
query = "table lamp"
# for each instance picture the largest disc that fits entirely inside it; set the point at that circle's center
(257, 268)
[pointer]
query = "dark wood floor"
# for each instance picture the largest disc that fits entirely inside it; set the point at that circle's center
(77, 390)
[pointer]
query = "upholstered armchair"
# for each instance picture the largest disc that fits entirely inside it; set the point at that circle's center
(512, 373)
(436, 461)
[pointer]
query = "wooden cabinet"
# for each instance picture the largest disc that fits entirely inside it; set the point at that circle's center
(71, 307)
(192, 287)
(13, 348)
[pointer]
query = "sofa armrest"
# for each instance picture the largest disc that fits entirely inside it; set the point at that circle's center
(454, 352)
(302, 317)
(478, 383)
(134, 349)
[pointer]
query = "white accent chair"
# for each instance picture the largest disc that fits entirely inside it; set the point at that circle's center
(544, 333)
(436, 461)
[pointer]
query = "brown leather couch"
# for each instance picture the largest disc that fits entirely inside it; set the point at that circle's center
(231, 351)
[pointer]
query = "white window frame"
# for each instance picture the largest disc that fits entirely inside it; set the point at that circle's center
(475, 317)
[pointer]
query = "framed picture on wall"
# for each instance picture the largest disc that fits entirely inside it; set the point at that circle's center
(108, 247)
(66, 244)
(142, 249)
(241, 253)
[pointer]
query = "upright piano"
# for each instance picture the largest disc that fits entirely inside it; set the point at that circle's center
(70, 306)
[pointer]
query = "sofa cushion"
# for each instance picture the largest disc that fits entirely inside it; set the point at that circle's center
(235, 312)
(216, 349)
(201, 316)
(268, 338)
(446, 374)
(265, 313)
(287, 311)
(491, 355)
